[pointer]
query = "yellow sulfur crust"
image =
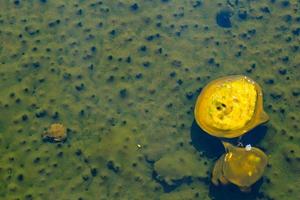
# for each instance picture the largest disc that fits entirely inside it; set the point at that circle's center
(231, 105)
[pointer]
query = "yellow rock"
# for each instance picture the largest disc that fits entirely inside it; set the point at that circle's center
(230, 106)
(56, 132)
(240, 166)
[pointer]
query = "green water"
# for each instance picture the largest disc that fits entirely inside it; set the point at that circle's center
(123, 77)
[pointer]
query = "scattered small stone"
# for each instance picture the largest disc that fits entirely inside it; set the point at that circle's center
(223, 18)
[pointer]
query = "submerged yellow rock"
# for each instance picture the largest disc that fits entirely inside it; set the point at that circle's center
(240, 166)
(56, 132)
(230, 106)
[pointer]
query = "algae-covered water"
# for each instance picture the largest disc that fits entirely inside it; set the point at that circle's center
(123, 77)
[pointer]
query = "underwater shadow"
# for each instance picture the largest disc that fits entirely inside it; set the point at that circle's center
(254, 136)
(232, 192)
(211, 146)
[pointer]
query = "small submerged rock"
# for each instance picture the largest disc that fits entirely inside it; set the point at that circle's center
(55, 133)
(223, 18)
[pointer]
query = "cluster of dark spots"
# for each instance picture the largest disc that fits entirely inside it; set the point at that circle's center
(176, 63)
(143, 48)
(189, 95)
(85, 177)
(112, 166)
(275, 95)
(146, 64)
(94, 172)
(31, 31)
(41, 114)
(80, 87)
(179, 82)
(36, 65)
(197, 4)
(269, 81)
(223, 18)
(112, 121)
(138, 75)
(67, 76)
(282, 71)
(53, 23)
(152, 37)
(265, 9)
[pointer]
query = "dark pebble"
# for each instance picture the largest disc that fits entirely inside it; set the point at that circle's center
(265, 10)
(143, 48)
(93, 49)
(282, 71)
(94, 172)
(41, 114)
(67, 76)
(78, 152)
(197, 4)
(139, 75)
(134, 7)
(79, 87)
(243, 15)
(146, 64)
(296, 31)
(123, 93)
(269, 81)
(24, 117)
(189, 95)
(20, 177)
(110, 165)
(223, 19)
(285, 3)
(179, 82)
(113, 32)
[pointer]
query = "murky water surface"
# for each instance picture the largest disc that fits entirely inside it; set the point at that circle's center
(123, 77)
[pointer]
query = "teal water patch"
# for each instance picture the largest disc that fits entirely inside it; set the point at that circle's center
(123, 77)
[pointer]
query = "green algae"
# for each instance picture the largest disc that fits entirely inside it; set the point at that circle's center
(124, 83)
(181, 164)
